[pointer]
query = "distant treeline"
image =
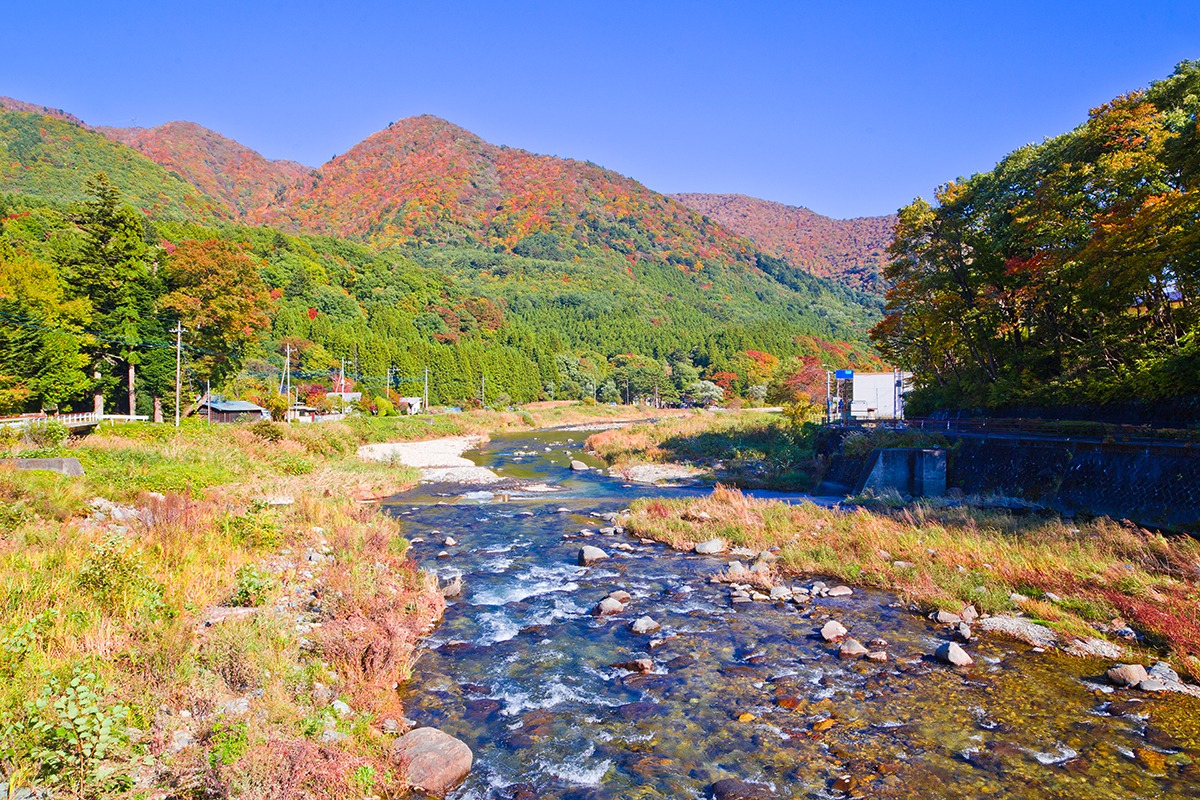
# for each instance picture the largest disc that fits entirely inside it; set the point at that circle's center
(1066, 275)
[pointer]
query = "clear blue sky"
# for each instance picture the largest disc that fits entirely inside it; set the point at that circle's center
(849, 108)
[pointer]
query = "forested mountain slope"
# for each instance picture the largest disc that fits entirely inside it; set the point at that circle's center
(50, 157)
(851, 251)
(224, 170)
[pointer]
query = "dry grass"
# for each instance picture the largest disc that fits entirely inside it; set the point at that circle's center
(1100, 570)
(127, 599)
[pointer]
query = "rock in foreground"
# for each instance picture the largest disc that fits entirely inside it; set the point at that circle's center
(432, 761)
(951, 653)
(589, 555)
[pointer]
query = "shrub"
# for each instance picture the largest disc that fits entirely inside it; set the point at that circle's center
(252, 586)
(111, 571)
(255, 530)
(267, 430)
(74, 732)
(48, 438)
(292, 464)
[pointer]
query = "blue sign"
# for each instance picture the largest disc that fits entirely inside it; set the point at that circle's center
(844, 374)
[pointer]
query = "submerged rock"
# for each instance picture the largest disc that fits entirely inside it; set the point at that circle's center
(730, 789)
(431, 760)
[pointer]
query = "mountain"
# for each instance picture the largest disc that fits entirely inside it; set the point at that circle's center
(424, 180)
(230, 173)
(851, 251)
(50, 156)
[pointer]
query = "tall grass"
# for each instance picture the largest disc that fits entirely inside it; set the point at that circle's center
(948, 557)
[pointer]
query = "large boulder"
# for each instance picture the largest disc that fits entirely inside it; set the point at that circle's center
(833, 630)
(951, 653)
(579, 466)
(432, 761)
(589, 555)
(711, 547)
(1127, 674)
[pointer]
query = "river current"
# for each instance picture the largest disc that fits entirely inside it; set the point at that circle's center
(523, 672)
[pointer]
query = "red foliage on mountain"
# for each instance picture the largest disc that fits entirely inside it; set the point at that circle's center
(229, 173)
(425, 180)
(20, 105)
(852, 251)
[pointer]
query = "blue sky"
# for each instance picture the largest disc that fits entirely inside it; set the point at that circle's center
(846, 108)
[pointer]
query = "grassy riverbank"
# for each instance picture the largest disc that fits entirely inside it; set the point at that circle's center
(1104, 574)
(188, 618)
(749, 448)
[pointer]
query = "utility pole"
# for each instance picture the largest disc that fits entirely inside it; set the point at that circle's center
(482, 396)
(828, 400)
(425, 408)
(286, 381)
(208, 399)
(342, 388)
(178, 365)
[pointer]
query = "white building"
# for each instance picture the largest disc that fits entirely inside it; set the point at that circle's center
(879, 395)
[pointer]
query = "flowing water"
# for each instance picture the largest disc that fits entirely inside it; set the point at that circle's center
(521, 671)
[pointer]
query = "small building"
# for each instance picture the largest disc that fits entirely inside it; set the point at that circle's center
(879, 395)
(342, 401)
(412, 405)
(218, 409)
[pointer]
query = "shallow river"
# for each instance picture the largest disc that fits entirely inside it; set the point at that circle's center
(522, 672)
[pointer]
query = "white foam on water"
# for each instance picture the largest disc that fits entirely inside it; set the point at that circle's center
(577, 771)
(1060, 754)
(536, 581)
(497, 627)
(496, 565)
(477, 496)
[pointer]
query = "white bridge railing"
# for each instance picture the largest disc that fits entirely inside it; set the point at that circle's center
(86, 419)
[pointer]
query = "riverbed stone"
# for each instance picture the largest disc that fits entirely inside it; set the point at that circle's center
(840, 591)
(579, 466)
(589, 555)
(951, 653)
(964, 631)
(1098, 648)
(947, 618)
(1022, 629)
(608, 606)
(833, 630)
(621, 596)
(1127, 674)
(731, 789)
(711, 547)
(431, 760)
(969, 614)
(852, 648)
(644, 625)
